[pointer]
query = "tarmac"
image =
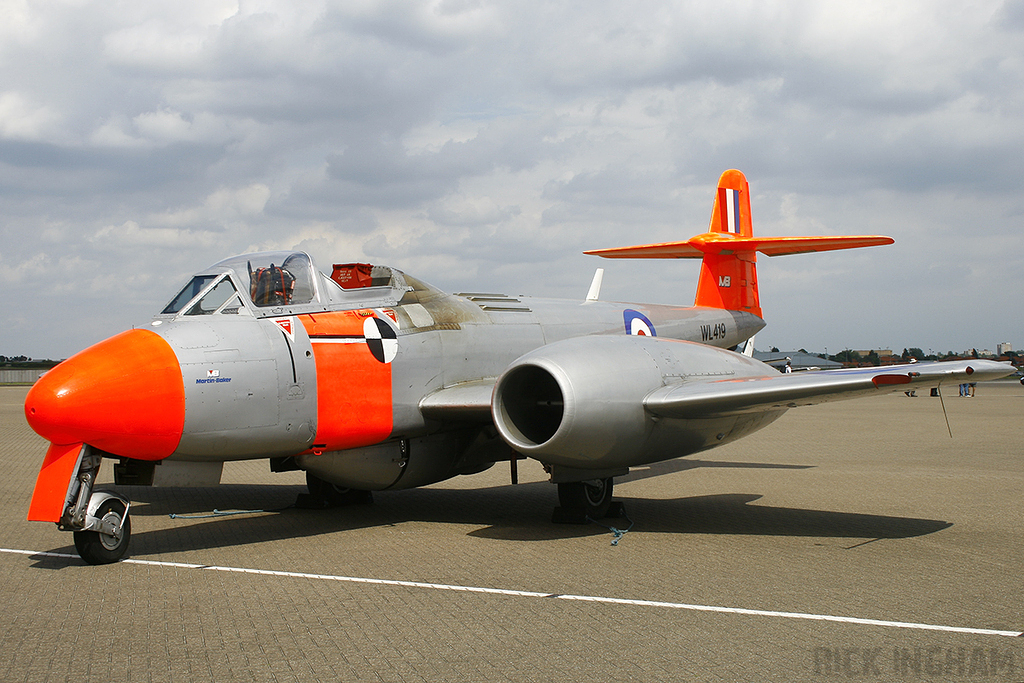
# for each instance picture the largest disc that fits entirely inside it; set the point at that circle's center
(851, 540)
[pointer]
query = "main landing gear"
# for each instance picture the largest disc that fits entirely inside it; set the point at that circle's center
(582, 501)
(99, 520)
(324, 494)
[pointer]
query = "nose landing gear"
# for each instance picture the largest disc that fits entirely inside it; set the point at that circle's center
(108, 530)
(99, 520)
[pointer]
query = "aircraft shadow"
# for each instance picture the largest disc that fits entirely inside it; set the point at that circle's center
(518, 513)
(682, 464)
(735, 513)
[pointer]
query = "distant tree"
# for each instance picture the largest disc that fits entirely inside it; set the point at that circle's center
(916, 352)
(803, 350)
(905, 356)
(872, 358)
(847, 356)
(775, 349)
(974, 353)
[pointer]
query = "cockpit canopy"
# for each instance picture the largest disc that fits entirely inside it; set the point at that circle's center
(288, 282)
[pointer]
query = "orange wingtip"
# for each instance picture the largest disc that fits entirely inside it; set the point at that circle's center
(719, 243)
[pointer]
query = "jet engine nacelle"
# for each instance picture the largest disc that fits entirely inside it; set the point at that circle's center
(579, 403)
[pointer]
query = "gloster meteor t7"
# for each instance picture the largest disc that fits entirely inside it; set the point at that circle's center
(371, 379)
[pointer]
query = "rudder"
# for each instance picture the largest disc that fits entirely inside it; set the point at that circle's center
(732, 206)
(729, 279)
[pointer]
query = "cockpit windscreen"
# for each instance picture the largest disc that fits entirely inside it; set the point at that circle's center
(188, 292)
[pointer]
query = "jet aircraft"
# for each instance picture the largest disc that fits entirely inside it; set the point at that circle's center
(371, 379)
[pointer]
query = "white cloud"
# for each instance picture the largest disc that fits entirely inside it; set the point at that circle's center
(23, 119)
(483, 139)
(35, 266)
(130, 235)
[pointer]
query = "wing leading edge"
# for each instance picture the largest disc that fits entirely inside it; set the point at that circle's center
(688, 400)
(465, 402)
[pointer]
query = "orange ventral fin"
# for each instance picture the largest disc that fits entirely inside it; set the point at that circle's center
(728, 274)
(54, 481)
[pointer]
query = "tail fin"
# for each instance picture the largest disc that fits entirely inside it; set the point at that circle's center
(728, 273)
(728, 278)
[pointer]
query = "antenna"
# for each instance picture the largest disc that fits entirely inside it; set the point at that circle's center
(595, 286)
(943, 404)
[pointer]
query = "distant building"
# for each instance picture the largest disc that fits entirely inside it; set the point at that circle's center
(798, 360)
(1001, 349)
(881, 352)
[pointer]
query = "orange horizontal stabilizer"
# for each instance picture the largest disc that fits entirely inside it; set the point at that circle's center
(722, 243)
(663, 250)
(781, 246)
(54, 482)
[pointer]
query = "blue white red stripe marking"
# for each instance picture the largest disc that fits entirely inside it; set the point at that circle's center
(732, 211)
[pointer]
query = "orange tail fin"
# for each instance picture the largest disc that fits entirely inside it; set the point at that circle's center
(728, 273)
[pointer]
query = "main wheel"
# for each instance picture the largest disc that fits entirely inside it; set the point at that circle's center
(99, 548)
(591, 498)
(331, 495)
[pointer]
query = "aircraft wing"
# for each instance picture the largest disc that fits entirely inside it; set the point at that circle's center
(466, 402)
(722, 397)
(471, 401)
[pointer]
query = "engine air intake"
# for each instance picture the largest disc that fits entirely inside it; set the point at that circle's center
(531, 404)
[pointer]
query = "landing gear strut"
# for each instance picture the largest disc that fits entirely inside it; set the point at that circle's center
(99, 519)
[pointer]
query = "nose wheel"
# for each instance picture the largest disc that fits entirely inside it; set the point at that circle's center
(99, 519)
(109, 542)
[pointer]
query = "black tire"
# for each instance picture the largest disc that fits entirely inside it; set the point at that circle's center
(331, 495)
(97, 548)
(589, 498)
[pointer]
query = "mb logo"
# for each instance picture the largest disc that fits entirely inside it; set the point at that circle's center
(725, 281)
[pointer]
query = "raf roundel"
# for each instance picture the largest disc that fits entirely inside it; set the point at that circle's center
(638, 324)
(381, 338)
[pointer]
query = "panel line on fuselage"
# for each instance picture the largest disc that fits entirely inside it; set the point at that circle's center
(337, 339)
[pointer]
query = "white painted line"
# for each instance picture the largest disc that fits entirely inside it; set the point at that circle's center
(558, 596)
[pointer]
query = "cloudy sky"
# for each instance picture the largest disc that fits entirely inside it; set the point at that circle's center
(483, 145)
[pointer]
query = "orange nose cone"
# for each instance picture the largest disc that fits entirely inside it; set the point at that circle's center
(124, 396)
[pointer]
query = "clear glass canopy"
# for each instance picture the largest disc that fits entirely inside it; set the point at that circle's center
(289, 280)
